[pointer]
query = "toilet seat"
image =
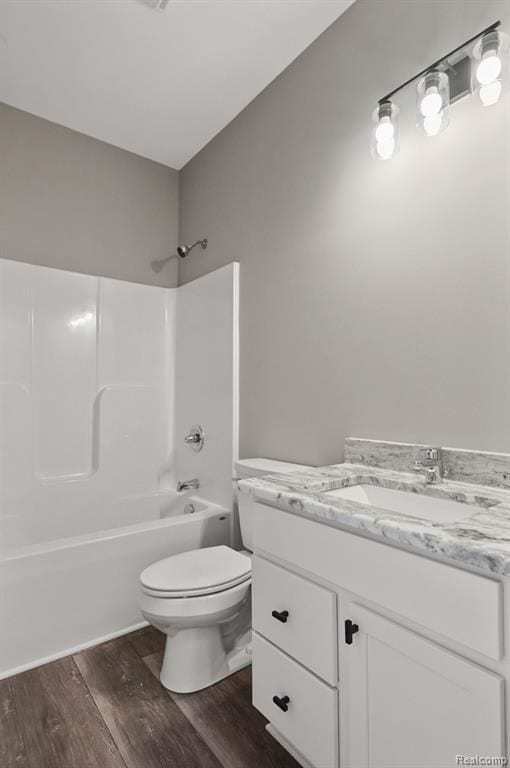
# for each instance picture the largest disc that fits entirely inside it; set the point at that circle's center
(196, 573)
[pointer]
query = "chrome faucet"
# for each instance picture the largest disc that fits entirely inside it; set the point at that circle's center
(187, 485)
(429, 461)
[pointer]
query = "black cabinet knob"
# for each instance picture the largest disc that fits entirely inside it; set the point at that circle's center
(282, 703)
(280, 616)
(350, 630)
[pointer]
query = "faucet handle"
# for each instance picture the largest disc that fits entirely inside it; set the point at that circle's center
(195, 438)
(429, 454)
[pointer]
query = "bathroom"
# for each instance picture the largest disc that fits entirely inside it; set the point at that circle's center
(254, 383)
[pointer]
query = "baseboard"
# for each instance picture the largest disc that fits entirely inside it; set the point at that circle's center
(298, 757)
(71, 651)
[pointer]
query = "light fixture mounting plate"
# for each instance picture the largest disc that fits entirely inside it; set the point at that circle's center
(459, 75)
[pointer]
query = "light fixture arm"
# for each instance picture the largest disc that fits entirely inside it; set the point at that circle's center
(444, 58)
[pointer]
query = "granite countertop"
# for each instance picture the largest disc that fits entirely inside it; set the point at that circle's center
(482, 540)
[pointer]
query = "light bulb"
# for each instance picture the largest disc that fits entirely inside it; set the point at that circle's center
(490, 93)
(385, 149)
(432, 124)
(384, 135)
(489, 69)
(431, 103)
(385, 131)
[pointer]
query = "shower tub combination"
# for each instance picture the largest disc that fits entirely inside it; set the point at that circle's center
(92, 421)
(61, 596)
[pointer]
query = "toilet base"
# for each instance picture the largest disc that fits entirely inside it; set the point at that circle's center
(195, 658)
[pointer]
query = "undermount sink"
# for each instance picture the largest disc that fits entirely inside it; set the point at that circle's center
(407, 503)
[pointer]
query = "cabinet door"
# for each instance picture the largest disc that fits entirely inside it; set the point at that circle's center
(409, 703)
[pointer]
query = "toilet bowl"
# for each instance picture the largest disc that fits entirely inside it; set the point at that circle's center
(201, 601)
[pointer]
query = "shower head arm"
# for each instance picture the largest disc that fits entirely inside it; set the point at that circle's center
(202, 243)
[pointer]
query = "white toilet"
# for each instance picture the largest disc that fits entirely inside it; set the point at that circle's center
(201, 600)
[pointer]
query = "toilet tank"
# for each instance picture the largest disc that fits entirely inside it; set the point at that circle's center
(246, 468)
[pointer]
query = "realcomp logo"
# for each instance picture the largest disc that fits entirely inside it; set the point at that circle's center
(481, 760)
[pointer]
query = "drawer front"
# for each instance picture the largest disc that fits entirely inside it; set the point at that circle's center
(296, 615)
(459, 605)
(310, 722)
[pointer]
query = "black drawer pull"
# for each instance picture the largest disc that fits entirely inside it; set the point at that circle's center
(350, 630)
(283, 703)
(280, 615)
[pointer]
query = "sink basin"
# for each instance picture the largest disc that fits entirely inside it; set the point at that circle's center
(407, 503)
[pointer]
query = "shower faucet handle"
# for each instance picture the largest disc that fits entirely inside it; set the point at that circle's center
(195, 438)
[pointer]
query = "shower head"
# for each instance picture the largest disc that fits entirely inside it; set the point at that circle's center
(184, 250)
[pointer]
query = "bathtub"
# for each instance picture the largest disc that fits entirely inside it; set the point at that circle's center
(60, 596)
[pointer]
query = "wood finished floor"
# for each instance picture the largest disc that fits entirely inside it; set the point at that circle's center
(105, 708)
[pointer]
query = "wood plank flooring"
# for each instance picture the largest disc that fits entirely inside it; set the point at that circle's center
(105, 708)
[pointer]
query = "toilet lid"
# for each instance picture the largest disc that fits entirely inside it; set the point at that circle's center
(199, 571)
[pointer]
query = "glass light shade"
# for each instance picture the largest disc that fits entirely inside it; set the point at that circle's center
(433, 124)
(490, 93)
(433, 100)
(385, 135)
(489, 65)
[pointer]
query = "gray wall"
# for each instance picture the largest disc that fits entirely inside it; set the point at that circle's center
(72, 202)
(374, 296)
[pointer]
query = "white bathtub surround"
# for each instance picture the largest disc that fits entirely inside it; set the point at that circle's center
(207, 381)
(480, 539)
(86, 401)
(88, 434)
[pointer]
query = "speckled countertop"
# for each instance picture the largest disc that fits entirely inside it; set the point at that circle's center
(481, 539)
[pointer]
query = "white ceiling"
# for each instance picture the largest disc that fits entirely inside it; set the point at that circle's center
(160, 84)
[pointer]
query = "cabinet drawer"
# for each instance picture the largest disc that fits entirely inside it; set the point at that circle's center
(305, 622)
(310, 722)
(459, 605)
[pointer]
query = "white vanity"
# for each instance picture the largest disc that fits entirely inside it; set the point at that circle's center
(372, 647)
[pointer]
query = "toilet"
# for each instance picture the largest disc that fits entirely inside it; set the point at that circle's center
(201, 600)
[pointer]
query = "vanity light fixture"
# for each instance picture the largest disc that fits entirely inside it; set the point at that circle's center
(455, 75)
(487, 70)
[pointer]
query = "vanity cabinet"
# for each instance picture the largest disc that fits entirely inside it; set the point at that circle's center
(368, 656)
